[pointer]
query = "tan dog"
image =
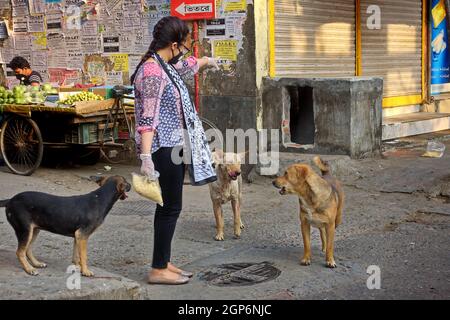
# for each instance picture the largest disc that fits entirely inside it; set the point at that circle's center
(321, 203)
(228, 187)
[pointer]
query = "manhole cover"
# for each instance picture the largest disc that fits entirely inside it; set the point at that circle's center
(240, 274)
(128, 208)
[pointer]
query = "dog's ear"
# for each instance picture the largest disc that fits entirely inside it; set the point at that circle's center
(122, 187)
(301, 172)
(217, 156)
(320, 188)
(97, 179)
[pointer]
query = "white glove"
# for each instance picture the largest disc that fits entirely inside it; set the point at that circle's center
(148, 167)
(212, 62)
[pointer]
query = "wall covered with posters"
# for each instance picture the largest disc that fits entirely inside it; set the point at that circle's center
(77, 41)
(100, 42)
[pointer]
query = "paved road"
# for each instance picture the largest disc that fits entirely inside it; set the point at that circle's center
(396, 218)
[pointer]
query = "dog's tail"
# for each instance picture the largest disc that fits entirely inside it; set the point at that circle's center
(4, 203)
(322, 165)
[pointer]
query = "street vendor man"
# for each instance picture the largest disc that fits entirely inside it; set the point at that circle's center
(23, 72)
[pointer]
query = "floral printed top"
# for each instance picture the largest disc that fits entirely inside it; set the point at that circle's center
(158, 104)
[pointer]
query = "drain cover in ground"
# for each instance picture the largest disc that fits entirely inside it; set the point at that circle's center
(240, 274)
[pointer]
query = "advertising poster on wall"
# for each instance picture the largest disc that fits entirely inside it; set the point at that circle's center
(440, 53)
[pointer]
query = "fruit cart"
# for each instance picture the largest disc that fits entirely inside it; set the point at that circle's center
(90, 129)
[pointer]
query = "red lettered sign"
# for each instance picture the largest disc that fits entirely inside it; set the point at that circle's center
(193, 9)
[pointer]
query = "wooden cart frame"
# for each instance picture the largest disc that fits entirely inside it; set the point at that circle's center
(29, 131)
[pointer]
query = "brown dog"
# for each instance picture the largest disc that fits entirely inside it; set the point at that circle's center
(227, 187)
(77, 217)
(321, 203)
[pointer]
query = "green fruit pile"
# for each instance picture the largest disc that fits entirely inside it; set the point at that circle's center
(82, 96)
(6, 96)
(26, 94)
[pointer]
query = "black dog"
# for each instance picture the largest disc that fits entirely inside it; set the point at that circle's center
(77, 217)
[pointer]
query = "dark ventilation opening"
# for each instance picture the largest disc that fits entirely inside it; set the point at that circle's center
(302, 115)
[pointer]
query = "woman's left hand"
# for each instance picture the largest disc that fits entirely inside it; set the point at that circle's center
(212, 62)
(209, 62)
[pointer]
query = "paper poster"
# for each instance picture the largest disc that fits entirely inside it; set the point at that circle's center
(131, 18)
(157, 10)
(111, 44)
(7, 54)
(120, 62)
(54, 22)
(36, 6)
(235, 5)
(73, 77)
(90, 10)
(75, 60)
(4, 29)
(36, 23)
(225, 49)
(5, 4)
(19, 8)
(20, 25)
(55, 41)
(141, 42)
(95, 68)
(111, 5)
(89, 28)
(133, 61)
(114, 78)
(90, 44)
(75, 57)
(76, 3)
(57, 58)
(215, 29)
(64, 76)
(234, 24)
(38, 41)
(72, 40)
(145, 20)
(439, 48)
(55, 6)
(73, 17)
(39, 59)
(22, 42)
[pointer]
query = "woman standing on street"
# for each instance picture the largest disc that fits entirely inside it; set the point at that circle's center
(163, 108)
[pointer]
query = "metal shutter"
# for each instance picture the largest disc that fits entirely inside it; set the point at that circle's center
(314, 38)
(395, 51)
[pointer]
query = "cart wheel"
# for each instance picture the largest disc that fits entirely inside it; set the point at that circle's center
(21, 145)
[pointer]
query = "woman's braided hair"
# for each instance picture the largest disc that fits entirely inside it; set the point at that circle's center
(167, 31)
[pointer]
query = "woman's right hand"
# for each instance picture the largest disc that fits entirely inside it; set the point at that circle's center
(148, 167)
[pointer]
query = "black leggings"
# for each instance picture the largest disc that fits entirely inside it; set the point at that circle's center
(171, 180)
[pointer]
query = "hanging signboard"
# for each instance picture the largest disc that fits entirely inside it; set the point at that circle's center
(193, 9)
(440, 53)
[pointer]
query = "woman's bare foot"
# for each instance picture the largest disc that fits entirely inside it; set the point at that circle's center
(172, 268)
(165, 276)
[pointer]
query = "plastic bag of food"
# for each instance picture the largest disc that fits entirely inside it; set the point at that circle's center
(147, 188)
(434, 150)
